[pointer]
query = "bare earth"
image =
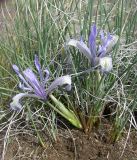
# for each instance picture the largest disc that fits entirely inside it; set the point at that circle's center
(74, 146)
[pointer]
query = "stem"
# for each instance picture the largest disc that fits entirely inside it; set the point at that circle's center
(98, 76)
(94, 113)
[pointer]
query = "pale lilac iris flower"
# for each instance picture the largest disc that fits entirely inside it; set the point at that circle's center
(97, 54)
(34, 86)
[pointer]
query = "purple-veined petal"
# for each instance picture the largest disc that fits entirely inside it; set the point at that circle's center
(104, 43)
(101, 51)
(33, 81)
(60, 81)
(107, 40)
(82, 48)
(106, 64)
(23, 80)
(102, 37)
(38, 67)
(16, 69)
(112, 41)
(92, 40)
(16, 101)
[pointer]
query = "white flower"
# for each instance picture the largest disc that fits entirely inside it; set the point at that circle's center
(106, 64)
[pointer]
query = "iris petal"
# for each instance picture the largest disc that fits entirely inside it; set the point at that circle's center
(112, 41)
(92, 40)
(106, 44)
(82, 48)
(106, 64)
(60, 81)
(16, 104)
(38, 67)
(32, 79)
(102, 37)
(16, 69)
(22, 86)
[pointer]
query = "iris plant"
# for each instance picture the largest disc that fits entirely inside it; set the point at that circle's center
(98, 58)
(97, 55)
(34, 87)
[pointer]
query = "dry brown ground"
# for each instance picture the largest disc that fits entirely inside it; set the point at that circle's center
(74, 146)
